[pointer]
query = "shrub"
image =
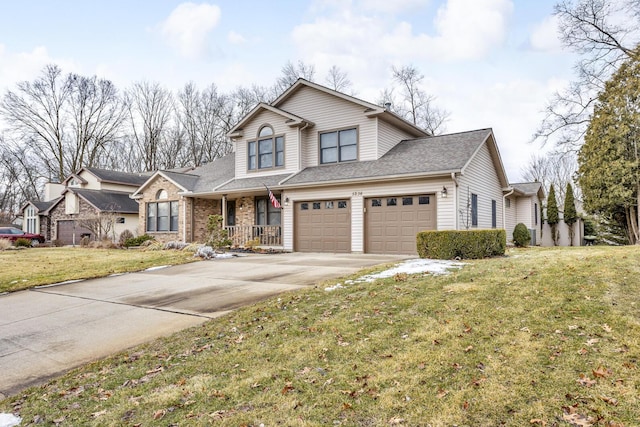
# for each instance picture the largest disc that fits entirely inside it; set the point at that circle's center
(85, 241)
(124, 236)
(218, 236)
(5, 244)
(137, 241)
(57, 243)
(152, 245)
(23, 243)
(521, 236)
(102, 244)
(462, 244)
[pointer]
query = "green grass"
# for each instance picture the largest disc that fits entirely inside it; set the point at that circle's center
(540, 337)
(22, 269)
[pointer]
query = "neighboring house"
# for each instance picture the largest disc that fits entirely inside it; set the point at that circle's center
(524, 204)
(350, 176)
(87, 198)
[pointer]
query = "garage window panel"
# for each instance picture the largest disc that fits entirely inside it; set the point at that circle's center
(423, 200)
(392, 201)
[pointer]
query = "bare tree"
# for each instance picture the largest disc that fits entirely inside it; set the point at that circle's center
(413, 103)
(292, 72)
(555, 169)
(604, 33)
(150, 112)
(338, 80)
(66, 122)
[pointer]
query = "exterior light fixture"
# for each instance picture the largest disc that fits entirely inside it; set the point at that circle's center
(286, 201)
(444, 192)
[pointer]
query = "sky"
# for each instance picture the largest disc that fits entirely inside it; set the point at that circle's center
(489, 63)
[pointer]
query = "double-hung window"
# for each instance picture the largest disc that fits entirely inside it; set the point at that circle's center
(265, 152)
(474, 210)
(339, 146)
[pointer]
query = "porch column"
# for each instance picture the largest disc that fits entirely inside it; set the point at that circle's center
(224, 210)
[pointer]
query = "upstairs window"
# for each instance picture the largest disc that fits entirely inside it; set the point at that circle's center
(339, 146)
(267, 151)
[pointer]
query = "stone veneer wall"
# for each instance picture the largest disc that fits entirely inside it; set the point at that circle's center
(58, 214)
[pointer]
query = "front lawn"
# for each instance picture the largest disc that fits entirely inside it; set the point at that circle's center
(542, 337)
(22, 269)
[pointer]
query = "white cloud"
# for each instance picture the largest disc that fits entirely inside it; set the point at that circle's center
(188, 27)
(236, 38)
(462, 30)
(16, 67)
(544, 36)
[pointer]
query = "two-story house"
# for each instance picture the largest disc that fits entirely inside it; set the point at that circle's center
(349, 175)
(85, 197)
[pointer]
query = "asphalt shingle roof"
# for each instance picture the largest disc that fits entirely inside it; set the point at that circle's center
(430, 155)
(527, 188)
(253, 182)
(108, 201)
(119, 177)
(43, 206)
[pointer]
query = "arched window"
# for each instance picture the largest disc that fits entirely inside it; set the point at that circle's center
(163, 215)
(267, 151)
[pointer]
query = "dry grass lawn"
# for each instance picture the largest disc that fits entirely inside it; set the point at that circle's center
(26, 268)
(542, 337)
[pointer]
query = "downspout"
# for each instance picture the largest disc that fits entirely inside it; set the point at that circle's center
(504, 209)
(455, 197)
(224, 210)
(184, 219)
(306, 125)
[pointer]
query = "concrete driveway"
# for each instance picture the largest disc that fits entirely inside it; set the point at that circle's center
(46, 331)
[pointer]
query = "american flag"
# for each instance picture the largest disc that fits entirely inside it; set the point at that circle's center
(274, 201)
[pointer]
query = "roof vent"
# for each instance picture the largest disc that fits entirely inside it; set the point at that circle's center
(387, 105)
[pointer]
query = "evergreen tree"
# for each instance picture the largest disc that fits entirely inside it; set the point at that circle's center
(552, 214)
(570, 214)
(609, 160)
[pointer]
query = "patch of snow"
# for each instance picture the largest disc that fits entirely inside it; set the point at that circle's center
(9, 420)
(224, 255)
(334, 287)
(158, 267)
(66, 282)
(415, 266)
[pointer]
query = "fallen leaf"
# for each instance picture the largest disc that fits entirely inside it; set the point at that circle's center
(592, 341)
(465, 405)
(606, 328)
(287, 388)
(583, 351)
(98, 414)
(601, 372)
(395, 421)
(610, 400)
(468, 349)
(586, 381)
(538, 421)
(159, 414)
(578, 420)
(441, 393)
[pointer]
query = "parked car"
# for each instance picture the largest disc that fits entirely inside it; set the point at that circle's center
(14, 234)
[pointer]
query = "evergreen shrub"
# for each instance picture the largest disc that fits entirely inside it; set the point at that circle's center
(461, 244)
(521, 236)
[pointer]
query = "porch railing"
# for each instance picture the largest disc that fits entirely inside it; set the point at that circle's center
(264, 235)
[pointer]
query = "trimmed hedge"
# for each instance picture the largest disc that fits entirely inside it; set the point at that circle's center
(137, 241)
(462, 244)
(521, 235)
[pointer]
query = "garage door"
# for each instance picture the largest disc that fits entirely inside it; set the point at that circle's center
(393, 222)
(65, 232)
(322, 226)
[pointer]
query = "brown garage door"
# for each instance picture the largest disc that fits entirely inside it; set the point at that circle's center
(322, 226)
(393, 222)
(65, 232)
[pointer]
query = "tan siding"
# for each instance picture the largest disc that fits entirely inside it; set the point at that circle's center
(480, 178)
(388, 137)
(329, 112)
(510, 218)
(280, 127)
(357, 193)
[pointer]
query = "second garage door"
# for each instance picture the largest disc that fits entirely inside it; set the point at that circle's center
(322, 226)
(66, 229)
(392, 223)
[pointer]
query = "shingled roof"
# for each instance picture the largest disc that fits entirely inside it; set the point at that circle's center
(527, 188)
(108, 201)
(118, 177)
(429, 156)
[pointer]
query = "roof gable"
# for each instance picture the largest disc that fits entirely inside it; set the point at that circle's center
(292, 119)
